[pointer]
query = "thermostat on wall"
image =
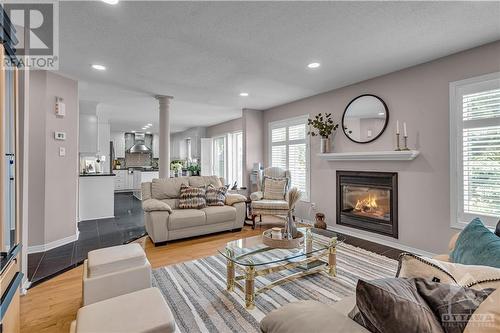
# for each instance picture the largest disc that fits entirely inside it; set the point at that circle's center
(60, 135)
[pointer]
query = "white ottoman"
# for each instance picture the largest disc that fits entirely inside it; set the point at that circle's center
(115, 271)
(138, 312)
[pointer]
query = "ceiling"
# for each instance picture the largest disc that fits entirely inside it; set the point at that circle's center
(206, 53)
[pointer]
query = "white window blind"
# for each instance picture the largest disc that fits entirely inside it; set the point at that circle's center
(289, 150)
(475, 128)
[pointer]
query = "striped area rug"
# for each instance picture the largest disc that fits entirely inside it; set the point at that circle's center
(196, 290)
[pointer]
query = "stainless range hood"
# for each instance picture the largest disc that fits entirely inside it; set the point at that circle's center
(139, 147)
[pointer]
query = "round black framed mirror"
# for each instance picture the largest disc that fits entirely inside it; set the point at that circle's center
(365, 118)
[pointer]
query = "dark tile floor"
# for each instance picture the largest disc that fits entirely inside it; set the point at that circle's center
(126, 226)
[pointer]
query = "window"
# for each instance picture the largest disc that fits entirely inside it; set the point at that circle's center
(228, 157)
(289, 149)
(475, 150)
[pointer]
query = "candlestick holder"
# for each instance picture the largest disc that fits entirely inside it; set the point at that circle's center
(398, 148)
(406, 143)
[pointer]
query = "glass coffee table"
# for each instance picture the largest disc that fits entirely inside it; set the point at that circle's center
(252, 258)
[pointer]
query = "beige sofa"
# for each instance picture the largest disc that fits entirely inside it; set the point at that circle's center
(165, 221)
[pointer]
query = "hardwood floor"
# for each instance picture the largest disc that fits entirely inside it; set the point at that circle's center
(52, 305)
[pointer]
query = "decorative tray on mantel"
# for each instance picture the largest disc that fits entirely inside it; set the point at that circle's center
(282, 243)
(391, 155)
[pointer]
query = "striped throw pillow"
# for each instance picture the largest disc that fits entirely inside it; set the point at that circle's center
(192, 197)
(216, 196)
(275, 188)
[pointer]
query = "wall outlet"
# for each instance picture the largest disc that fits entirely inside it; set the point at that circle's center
(62, 151)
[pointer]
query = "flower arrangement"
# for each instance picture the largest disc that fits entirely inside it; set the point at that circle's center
(323, 125)
(176, 166)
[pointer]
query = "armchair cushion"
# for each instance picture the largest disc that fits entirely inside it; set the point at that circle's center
(233, 198)
(150, 205)
(270, 204)
(275, 188)
(256, 196)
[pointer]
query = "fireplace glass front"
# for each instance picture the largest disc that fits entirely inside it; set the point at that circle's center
(366, 201)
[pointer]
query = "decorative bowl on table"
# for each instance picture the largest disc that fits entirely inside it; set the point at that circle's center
(282, 243)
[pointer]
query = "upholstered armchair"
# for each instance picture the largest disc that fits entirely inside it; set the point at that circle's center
(271, 201)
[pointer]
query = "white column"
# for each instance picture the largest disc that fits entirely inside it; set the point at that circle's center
(164, 162)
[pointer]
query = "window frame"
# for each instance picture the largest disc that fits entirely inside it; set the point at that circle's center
(459, 219)
(230, 158)
(306, 197)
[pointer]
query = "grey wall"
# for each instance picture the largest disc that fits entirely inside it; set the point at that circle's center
(53, 180)
(253, 142)
(419, 96)
(225, 127)
(178, 147)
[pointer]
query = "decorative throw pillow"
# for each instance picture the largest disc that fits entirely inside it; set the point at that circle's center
(453, 305)
(192, 197)
(477, 245)
(393, 306)
(275, 188)
(216, 196)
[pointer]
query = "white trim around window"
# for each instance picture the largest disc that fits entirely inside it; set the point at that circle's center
(478, 123)
(286, 142)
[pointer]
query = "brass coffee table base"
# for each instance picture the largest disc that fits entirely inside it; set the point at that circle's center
(324, 262)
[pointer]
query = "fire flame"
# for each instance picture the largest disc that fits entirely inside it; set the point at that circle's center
(367, 204)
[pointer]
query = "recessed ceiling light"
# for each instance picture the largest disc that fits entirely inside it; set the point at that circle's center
(99, 67)
(133, 131)
(314, 65)
(150, 124)
(111, 2)
(148, 132)
(243, 94)
(381, 113)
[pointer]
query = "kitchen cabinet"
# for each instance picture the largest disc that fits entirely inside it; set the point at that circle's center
(142, 177)
(88, 133)
(124, 180)
(118, 139)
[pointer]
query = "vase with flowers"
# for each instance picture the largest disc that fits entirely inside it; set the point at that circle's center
(323, 125)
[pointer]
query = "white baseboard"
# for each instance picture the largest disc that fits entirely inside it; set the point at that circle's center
(377, 240)
(97, 218)
(53, 244)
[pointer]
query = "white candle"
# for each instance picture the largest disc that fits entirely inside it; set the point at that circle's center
(397, 126)
(404, 129)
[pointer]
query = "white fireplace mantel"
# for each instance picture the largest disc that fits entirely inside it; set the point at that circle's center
(392, 155)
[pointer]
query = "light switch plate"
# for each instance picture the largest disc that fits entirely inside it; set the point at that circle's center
(60, 135)
(62, 151)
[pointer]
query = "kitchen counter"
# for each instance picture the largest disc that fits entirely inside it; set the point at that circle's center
(97, 174)
(138, 169)
(143, 177)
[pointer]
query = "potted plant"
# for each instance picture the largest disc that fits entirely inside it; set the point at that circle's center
(176, 167)
(194, 168)
(323, 125)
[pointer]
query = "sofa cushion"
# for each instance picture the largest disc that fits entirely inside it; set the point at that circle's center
(219, 214)
(204, 181)
(155, 204)
(308, 316)
(215, 196)
(115, 258)
(473, 276)
(393, 306)
(270, 204)
(233, 198)
(167, 188)
(275, 188)
(192, 197)
(477, 245)
(173, 203)
(453, 305)
(141, 311)
(186, 218)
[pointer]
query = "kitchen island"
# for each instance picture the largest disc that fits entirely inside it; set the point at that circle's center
(142, 176)
(96, 199)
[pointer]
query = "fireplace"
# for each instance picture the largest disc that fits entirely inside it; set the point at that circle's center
(368, 201)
